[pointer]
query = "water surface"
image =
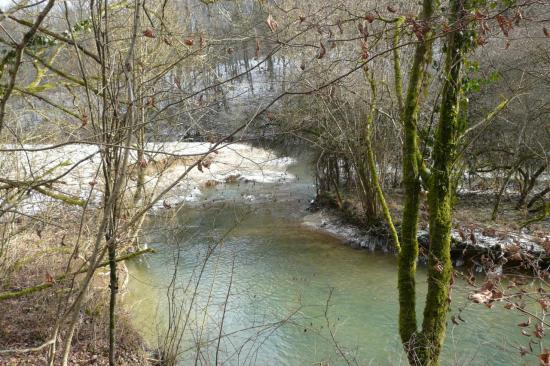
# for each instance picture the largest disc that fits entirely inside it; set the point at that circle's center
(283, 294)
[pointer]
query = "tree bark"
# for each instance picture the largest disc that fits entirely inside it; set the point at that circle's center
(411, 181)
(440, 194)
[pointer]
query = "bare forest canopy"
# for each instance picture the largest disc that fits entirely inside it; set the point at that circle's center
(112, 111)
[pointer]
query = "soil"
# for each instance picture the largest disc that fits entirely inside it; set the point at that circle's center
(26, 322)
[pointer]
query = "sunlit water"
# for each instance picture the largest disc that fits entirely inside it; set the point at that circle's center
(296, 296)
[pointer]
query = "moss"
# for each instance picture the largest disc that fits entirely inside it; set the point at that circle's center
(440, 197)
(371, 161)
(62, 197)
(29, 290)
(411, 181)
(398, 80)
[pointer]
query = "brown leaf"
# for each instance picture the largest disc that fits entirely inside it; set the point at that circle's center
(322, 51)
(479, 16)
(257, 52)
(544, 304)
(497, 295)
(539, 331)
(419, 29)
(544, 358)
(189, 42)
(84, 120)
(271, 23)
(489, 285)
(369, 18)
(149, 33)
(363, 29)
(505, 24)
(525, 324)
(365, 51)
(518, 16)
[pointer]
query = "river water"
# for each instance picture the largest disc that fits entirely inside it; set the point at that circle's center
(241, 265)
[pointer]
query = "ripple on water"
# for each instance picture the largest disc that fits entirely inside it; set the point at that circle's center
(283, 275)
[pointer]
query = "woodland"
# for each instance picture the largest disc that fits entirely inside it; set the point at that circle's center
(189, 182)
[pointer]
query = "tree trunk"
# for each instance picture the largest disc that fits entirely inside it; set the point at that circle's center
(440, 194)
(411, 181)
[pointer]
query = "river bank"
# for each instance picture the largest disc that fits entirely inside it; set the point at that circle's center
(486, 245)
(41, 270)
(34, 296)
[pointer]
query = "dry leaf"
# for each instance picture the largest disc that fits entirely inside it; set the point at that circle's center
(525, 324)
(322, 51)
(365, 51)
(149, 33)
(84, 120)
(271, 23)
(544, 358)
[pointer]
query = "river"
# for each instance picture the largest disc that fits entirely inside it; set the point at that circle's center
(283, 294)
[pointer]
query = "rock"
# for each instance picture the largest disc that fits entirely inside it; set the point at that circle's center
(495, 248)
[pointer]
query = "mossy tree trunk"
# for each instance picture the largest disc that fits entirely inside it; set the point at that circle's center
(411, 181)
(441, 191)
(424, 347)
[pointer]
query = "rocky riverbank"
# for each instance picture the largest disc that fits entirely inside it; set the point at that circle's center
(485, 248)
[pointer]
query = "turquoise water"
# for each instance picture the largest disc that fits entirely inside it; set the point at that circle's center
(283, 294)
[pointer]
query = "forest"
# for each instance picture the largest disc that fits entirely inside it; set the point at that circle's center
(274, 182)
